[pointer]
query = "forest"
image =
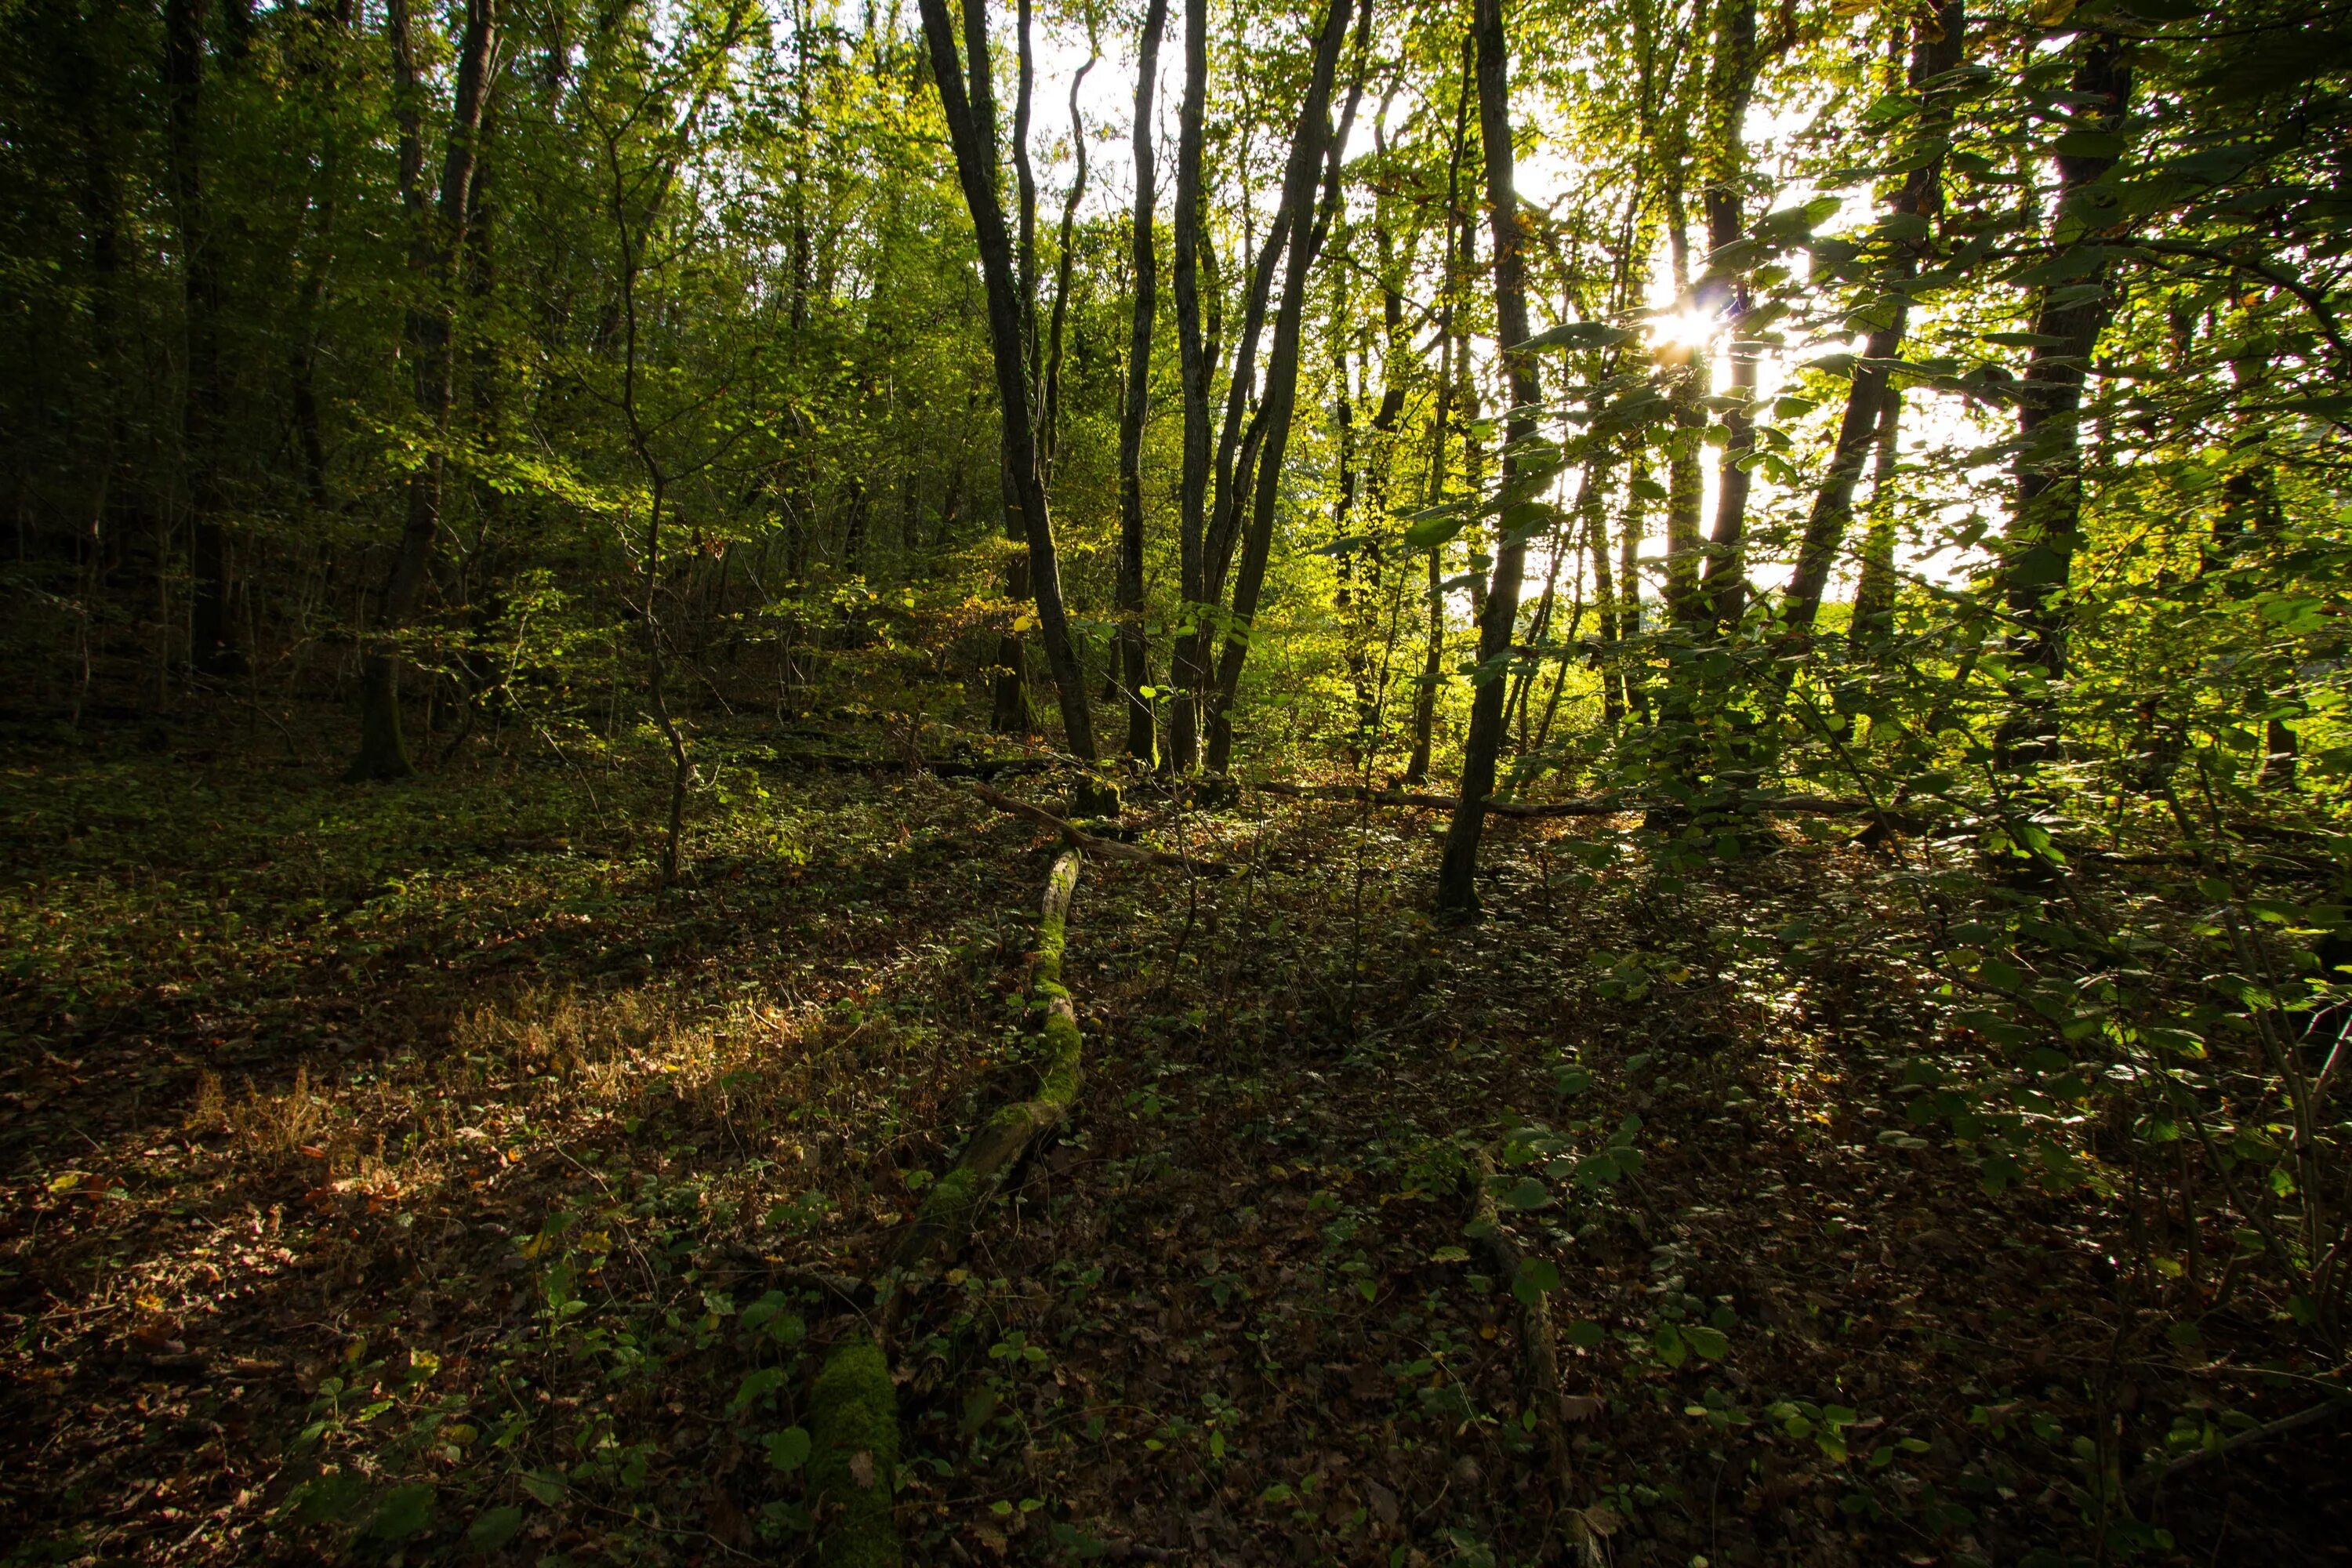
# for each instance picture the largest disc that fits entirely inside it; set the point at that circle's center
(1492, 782)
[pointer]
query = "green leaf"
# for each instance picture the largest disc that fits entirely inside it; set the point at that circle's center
(1538, 1278)
(495, 1528)
(405, 1511)
(1709, 1342)
(1578, 336)
(1526, 1193)
(546, 1486)
(323, 1500)
(1584, 1335)
(788, 1450)
(755, 1386)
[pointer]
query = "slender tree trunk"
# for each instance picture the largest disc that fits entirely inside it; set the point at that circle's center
(1307, 151)
(1343, 515)
(1433, 672)
(433, 249)
(1730, 86)
(1433, 664)
(1192, 488)
(1134, 652)
(1873, 596)
(1604, 596)
(972, 127)
(1630, 535)
(1456, 879)
(1940, 48)
(1684, 544)
(324, 35)
(1049, 417)
(212, 620)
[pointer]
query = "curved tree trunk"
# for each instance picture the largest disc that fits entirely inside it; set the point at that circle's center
(1940, 48)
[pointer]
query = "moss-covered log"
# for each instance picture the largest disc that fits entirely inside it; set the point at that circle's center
(853, 1427)
(956, 1200)
(1102, 848)
(854, 1457)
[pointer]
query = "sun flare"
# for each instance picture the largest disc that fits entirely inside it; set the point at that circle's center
(1689, 328)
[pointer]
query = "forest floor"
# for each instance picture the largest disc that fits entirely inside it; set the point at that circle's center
(398, 1174)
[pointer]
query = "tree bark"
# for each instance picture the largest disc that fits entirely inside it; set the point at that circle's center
(1134, 652)
(1873, 596)
(1456, 890)
(972, 130)
(1433, 664)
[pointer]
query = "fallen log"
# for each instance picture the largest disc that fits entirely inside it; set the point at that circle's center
(852, 1430)
(1538, 1355)
(944, 767)
(956, 1198)
(1589, 805)
(1078, 837)
(853, 1466)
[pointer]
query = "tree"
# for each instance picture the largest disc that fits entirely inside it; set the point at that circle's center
(1519, 515)
(435, 235)
(971, 128)
(1133, 651)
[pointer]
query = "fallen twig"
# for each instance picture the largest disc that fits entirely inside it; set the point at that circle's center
(2150, 1482)
(1539, 1355)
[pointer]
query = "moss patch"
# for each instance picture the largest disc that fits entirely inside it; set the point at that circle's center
(854, 1457)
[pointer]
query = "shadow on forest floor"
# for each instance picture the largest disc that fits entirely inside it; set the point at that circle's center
(396, 1173)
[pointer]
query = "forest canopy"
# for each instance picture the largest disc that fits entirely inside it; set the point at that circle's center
(1696, 600)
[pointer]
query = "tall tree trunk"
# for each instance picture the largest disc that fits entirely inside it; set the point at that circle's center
(1192, 486)
(1343, 514)
(1309, 149)
(1240, 438)
(1725, 161)
(1049, 400)
(2038, 555)
(1604, 598)
(1731, 85)
(434, 241)
(1939, 49)
(1630, 535)
(1457, 221)
(1457, 878)
(212, 621)
(1134, 652)
(972, 127)
(1684, 544)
